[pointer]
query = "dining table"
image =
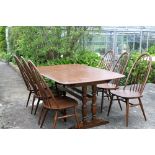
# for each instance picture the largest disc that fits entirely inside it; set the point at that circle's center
(72, 76)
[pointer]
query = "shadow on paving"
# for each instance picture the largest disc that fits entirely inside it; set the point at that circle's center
(14, 114)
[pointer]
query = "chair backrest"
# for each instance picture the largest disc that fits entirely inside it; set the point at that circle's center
(121, 63)
(23, 72)
(120, 66)
(139, 73)
(107, 61)
(43, 88)
(29, 75)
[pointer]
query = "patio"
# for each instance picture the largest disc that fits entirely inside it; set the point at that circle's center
(14, 114)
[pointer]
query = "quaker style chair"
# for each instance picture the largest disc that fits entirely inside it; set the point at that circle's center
(134, 86)
(119, 67)
(106, 63)
(25, 78)
(107, 60)
(50, 102)
(33, 85)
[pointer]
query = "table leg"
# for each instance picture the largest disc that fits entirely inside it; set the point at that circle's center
(94, 121)
(84, 104)
(93, 108)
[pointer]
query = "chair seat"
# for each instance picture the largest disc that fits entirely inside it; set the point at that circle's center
(107, 86)
(126, 93)
(62, 102)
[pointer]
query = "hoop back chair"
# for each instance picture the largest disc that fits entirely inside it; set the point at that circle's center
(50, 102)
(135, 84)
(107, 61)
(119, 67)
(33, 85)
(25, 77)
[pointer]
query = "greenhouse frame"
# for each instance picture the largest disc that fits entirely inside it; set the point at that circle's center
(122, 38)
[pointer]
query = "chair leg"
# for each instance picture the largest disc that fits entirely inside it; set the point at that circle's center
(76, 118)
(111, 101)
(141, 105)
(64, 113)
(55, 119)
(64, 92)
(40, 115)
(108, 94)
(28, 98)
(127, 111)
(119, 103)
(44, 116)
(33, 103)
(97, 92)
(37, 106)
(102, 100)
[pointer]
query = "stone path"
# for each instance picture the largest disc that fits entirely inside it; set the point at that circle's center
(14, 114)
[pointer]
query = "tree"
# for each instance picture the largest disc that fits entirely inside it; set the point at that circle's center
(47, 43)
(2, 39)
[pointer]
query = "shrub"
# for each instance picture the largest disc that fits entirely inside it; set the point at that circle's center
(151, 50)
(6, 56)
(83, 57)
(88, 57)
(151, 78)
(43, 44)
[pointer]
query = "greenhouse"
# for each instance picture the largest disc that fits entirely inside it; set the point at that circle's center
(128, 38)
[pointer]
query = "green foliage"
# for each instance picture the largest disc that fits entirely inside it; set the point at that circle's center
(6, 56)
(152, 73)
(52, 45)
(151, 50)
(43, 44)
(2, 54)
(88, 57)
(83, 57)
(133, 57)
(2, 39)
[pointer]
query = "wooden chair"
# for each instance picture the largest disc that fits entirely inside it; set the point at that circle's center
(134, 85)
(25, 77)
(119, 68)
(33, 85)
(50, 102)
(107, 61)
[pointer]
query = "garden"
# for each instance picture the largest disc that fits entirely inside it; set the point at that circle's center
(57, 45)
